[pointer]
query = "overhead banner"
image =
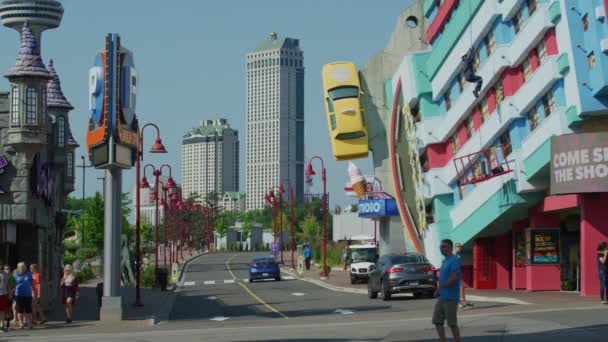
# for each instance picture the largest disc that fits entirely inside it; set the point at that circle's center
(579, 163)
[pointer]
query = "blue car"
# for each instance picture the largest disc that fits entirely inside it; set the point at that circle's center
(264, 268)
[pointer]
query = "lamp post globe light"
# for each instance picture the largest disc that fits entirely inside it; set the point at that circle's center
(157, 147)
(291, 199)
(311, 172)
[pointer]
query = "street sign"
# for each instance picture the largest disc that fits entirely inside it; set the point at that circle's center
(300, 267)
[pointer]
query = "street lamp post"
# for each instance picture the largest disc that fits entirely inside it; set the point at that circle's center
(156, 148)
(83, 166)
(271, 199)
(311, 172)
(291, 199)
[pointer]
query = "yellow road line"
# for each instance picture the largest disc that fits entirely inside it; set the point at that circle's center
(268, 306)
(228, 265)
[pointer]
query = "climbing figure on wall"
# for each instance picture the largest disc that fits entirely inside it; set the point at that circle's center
(469, 74)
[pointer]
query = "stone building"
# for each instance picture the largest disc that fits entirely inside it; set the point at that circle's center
(36, 165)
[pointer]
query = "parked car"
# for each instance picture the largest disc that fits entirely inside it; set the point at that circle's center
(345, 111)
(394, 273)
(264, 268)
(362, 259)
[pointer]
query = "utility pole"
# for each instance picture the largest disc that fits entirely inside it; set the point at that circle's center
(83, 167)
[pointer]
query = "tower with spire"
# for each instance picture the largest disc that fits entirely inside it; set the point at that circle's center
(64, 144)
(28, 80)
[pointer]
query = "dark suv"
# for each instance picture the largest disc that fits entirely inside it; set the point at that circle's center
(395, 273)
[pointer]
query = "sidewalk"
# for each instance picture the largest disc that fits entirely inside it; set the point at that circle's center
(339, 280)
(155, 301)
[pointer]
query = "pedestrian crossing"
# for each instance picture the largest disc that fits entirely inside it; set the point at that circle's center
(228, 281)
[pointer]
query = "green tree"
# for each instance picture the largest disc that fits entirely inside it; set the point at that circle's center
(220, 226)
(310, 229)
(247, 225)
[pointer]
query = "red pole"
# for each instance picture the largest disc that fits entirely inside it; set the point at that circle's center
(190, 229)
(170, 205)
(274, 215)
(324, 274)
(157, 174)
(281, 226)
(165, 227)
(137, 223)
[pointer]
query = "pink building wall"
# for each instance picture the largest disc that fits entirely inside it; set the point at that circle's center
(594, 230)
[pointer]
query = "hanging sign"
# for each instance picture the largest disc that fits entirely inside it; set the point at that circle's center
(579, 163)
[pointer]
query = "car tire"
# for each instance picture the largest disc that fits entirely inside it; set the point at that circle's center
(250, 280)
(370, 293)
(352, 279)
(386, 292)
(277, 278)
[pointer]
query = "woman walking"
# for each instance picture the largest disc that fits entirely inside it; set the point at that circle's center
(69, 291)
(602, 259)
(37, 312)
(23, 295)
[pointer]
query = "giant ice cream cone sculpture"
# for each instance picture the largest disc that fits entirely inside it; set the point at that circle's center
(357, 180)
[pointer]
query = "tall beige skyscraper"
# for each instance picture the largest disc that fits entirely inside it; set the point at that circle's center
(210, 159)
(275, 118)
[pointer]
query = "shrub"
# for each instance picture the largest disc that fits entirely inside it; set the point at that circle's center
(86, 253)
(85, 274)
(70, 247)
(147, 277)
(69, 258)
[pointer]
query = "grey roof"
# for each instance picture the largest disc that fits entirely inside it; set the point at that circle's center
(55, 97)
(278, 43)
(71, 141)
(29, 62)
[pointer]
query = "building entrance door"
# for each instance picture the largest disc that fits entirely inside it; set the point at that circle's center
(484, 264)
(570, 253)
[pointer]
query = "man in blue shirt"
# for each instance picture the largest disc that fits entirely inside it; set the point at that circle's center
(307, 256)
(448, 289)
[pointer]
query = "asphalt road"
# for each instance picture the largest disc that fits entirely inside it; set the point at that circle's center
(216, 303)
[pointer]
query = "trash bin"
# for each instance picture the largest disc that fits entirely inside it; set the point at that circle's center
(99, 291)
(162, 277)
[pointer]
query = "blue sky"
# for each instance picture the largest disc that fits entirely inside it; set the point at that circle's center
(190, 60)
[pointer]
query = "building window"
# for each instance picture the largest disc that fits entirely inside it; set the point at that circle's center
(533, 119)
(505, 141)
(454, 142)
(485, 115)
(469, 126)
(461, 81)
(591, 60)
(541, 51)
(448, 99)
(585, 22)
(70, 164)
(517, 22)
(548, 103)
(499, 92)
(490, 43)
(477, 62)
(532, 5)
(30, 107)
(527, 69)
(332, 120)
(61, 131)
(15, 106)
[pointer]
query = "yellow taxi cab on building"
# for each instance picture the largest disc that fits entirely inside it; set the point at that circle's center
(345, 111)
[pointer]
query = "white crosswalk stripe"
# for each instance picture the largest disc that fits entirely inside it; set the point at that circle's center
(228, 281)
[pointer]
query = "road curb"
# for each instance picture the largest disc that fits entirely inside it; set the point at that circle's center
(473, 298)
(167, 307)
